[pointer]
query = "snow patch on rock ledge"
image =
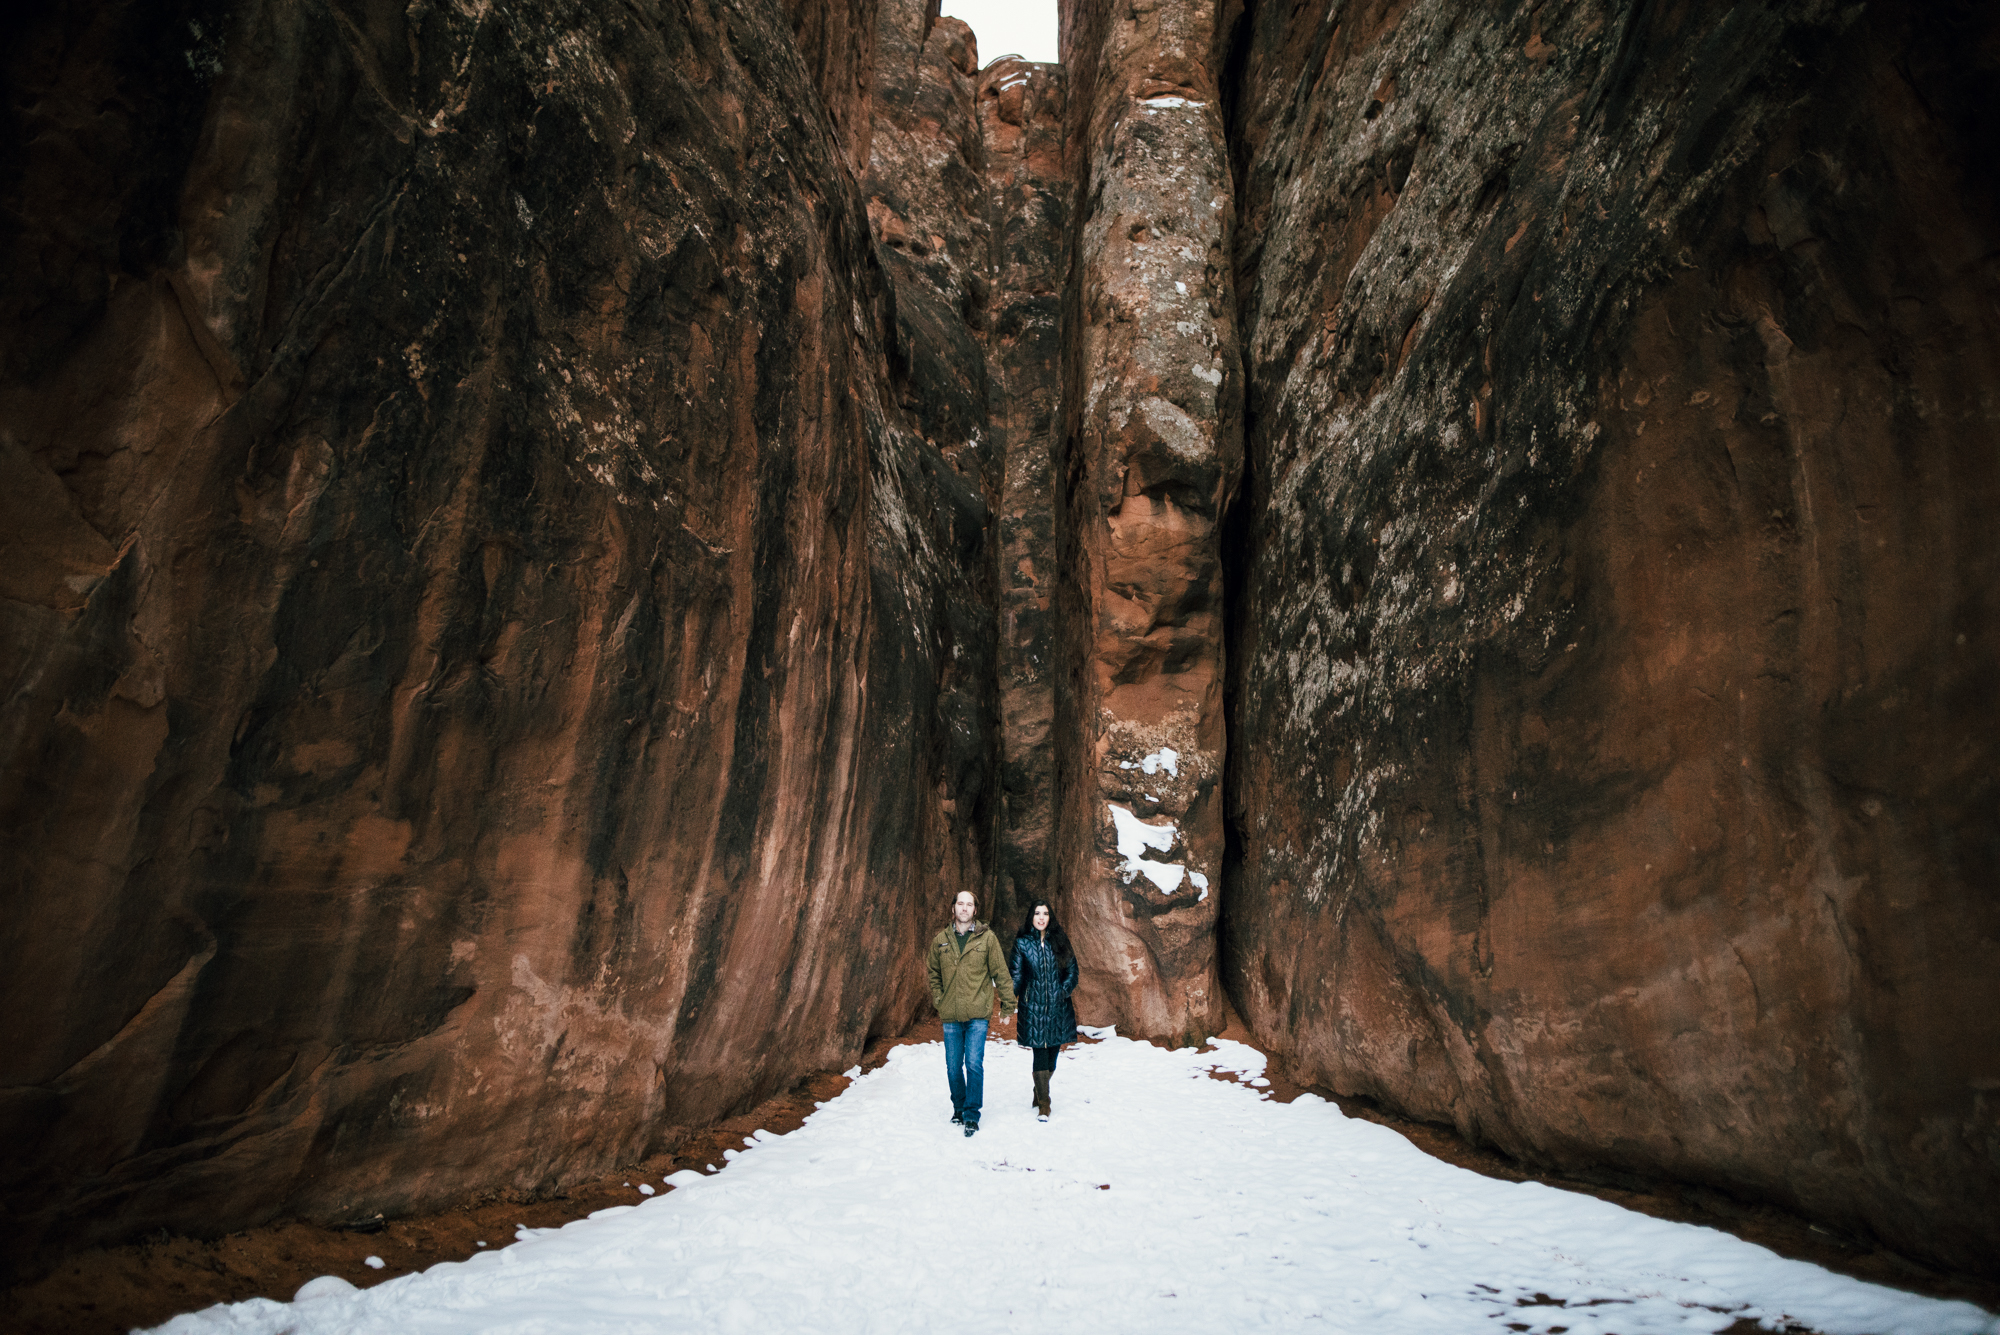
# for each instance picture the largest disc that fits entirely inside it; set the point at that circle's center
(1166, 758)
(1135, 837)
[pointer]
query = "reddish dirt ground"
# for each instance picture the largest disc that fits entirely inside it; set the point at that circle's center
(114, 1289)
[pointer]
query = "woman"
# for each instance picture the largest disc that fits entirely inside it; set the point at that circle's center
(1044, 976)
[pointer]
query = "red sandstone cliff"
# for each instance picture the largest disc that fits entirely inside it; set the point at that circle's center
(969, 200)
(478, 629)
(1021, 110)
(538, 550)
(1152, 451)
(1617, 634)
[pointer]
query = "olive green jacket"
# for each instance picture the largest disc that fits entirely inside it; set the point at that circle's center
(962, 982)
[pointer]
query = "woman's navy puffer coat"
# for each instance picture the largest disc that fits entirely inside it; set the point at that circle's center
(1048, 1020)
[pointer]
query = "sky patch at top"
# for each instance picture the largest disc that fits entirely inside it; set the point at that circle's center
(1024, 28)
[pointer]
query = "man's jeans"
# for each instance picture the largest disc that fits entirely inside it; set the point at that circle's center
(965, 1065)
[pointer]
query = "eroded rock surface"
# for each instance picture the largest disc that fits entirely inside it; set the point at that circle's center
(1152, 455)
(1028, 199)
(969, 199)
(482, 681)
(926, 192)
(836, 40)
(538, 549)
(1617, 654)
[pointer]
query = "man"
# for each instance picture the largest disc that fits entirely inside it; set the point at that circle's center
(965, 964)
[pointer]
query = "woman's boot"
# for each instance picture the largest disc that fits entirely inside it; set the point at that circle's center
(1042, 1093)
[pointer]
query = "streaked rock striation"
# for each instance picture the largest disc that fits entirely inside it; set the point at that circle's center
(1151, 458)
(539, 547)
(1617, 654)
(479, 630)
(1022, 106)
(926, 195)
(970, 206)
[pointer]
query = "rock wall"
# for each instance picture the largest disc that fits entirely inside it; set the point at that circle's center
(1022, 106)
(836, 40)
(1616, 632)
(970, 204)
(487, 657)
(1152, 452)
(926, 210)
(926, 193)
(539, 549)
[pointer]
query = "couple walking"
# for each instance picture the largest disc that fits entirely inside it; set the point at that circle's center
(966, 964)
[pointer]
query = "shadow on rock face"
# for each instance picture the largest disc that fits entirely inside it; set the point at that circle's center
(1608, 773)
(472, 606)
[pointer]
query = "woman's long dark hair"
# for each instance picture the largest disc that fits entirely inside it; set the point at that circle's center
(1058, 938)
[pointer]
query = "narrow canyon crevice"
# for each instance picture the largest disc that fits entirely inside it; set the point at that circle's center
(539, 549)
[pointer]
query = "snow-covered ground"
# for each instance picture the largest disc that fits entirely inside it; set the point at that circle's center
(1156, 1200)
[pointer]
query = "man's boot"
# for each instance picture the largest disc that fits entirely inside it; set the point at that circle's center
(1042, 1093)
